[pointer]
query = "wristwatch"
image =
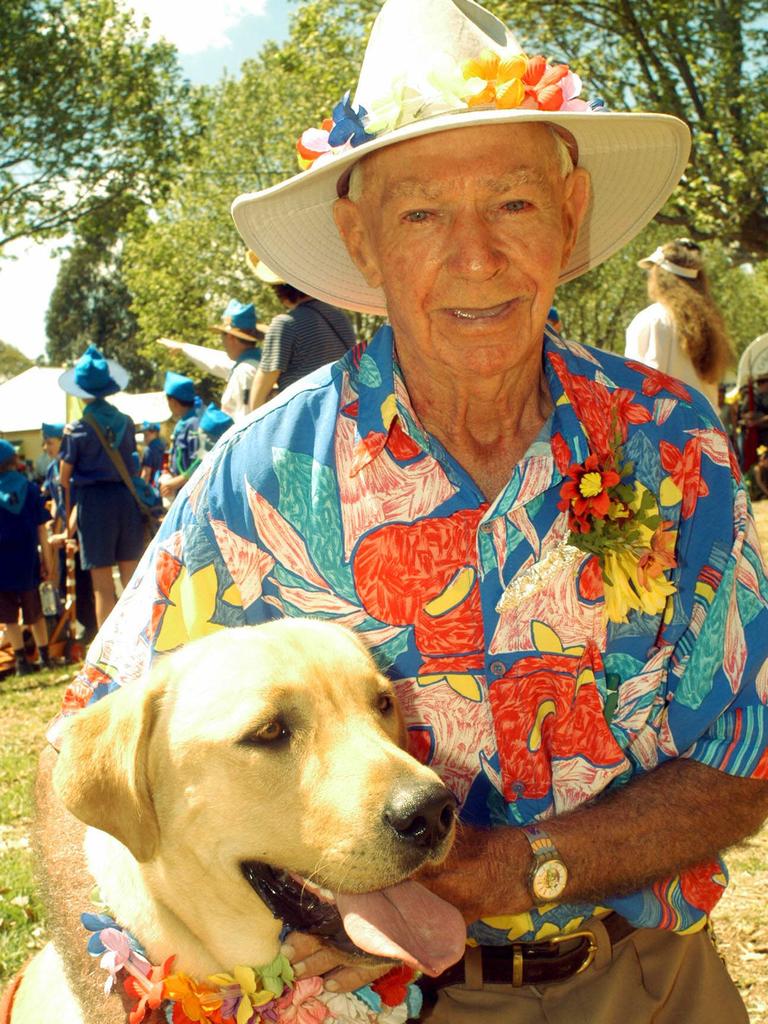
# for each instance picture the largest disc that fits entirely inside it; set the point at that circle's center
(548, 876)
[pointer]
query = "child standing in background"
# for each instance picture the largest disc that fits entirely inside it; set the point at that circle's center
(22, 531)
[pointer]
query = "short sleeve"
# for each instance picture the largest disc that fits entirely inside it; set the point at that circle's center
(278, 344)
(69, 444)
(718, 668)
(636, 341)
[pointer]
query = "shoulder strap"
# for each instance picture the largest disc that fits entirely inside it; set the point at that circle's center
(322, 316)
(118, 463)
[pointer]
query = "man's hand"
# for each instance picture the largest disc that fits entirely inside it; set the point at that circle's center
(484, 874)
(310, 958)
(175, 346)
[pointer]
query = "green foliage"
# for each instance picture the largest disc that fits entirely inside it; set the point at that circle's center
(598, 307)
(184, 264)
(94, 116)
(12, 361)
(91, 305)
(707, 64)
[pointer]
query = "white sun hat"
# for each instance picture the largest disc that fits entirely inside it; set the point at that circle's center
(658, 257)
(437, 65)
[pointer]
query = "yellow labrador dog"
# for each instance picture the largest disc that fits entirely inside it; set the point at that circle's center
(257, 779)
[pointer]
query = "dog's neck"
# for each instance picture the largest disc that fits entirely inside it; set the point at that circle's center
(205, 929)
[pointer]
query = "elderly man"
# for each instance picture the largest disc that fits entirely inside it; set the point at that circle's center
(548, 548)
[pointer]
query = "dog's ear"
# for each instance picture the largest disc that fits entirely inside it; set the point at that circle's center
(101, 772)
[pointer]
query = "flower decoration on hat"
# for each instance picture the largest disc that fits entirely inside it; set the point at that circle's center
(519, 81)
(491, 79)
(345, 128)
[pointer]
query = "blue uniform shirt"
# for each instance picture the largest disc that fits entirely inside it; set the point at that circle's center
(19, 560)
(83, 450)
(184, 442)
(153, 457)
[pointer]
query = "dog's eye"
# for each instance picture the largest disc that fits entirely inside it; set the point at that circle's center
(384, 703)
(271, 732)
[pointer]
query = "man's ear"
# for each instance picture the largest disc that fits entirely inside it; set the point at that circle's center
(576, 199)
(350, 225)
(101, 772)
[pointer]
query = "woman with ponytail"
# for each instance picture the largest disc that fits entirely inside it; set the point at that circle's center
(682, 332)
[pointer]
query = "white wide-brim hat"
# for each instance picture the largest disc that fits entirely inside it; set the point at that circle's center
(411, 84)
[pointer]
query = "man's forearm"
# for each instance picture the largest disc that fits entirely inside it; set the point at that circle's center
(680, 815)
(67, 888)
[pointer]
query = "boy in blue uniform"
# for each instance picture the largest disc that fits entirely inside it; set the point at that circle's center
(109, 523)
(22, 528)
(152, 456)
(184, 405)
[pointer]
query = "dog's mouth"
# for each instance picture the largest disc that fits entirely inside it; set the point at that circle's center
(403, 922)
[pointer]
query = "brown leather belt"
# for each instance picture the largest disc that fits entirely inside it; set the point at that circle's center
(534, 963)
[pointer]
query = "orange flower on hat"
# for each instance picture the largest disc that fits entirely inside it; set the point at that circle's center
(503, 77)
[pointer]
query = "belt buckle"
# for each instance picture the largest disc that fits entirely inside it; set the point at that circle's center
(555, 940)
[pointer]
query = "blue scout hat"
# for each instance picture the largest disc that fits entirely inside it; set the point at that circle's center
(147, 425)
(214, 422)
(7, 451)
(180, 387)
(93, 376)
(52, 430)
(240, 319)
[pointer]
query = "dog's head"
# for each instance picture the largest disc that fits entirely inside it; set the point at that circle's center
(271, 757)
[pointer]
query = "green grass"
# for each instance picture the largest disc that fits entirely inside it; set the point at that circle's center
(26, 706)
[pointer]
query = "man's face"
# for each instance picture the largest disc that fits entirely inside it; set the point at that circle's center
(466, 231)
(233, 346)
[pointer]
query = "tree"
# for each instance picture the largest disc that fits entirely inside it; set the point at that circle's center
(707, 64)
(187, 260)
(91, 304)
(12, 361)
(94, 117)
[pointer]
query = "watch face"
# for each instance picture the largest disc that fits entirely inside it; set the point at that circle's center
(549, 880)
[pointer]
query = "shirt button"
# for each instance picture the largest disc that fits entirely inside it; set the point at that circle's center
(498, 668)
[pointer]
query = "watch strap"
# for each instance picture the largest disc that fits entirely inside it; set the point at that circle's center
(541, 842)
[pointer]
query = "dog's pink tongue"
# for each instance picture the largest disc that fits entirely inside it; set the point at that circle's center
(406, 922)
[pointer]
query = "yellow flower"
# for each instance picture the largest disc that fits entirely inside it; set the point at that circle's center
(591, 484)
(502, 76)
(197, 1001)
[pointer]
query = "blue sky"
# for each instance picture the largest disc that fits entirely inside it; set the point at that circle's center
(210, 38)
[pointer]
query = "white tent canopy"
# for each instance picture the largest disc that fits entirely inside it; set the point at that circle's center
(34, 397)
(30, 398)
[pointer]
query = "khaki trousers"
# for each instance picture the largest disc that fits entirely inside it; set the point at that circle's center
(650, 977)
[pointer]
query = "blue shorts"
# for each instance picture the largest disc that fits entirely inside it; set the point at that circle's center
(109, 525)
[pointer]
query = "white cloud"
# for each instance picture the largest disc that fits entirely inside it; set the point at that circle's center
(196, 25)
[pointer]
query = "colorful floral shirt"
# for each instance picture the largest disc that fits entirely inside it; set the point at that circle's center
(334, 502)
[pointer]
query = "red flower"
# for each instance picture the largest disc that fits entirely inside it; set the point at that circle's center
(541, 84)
(656, 381)
(393, 986)
(585, 495)
(685, 469)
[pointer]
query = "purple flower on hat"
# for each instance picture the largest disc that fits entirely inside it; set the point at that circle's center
(348, 124)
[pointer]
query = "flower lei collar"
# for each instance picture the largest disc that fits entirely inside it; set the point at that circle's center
(270, 994)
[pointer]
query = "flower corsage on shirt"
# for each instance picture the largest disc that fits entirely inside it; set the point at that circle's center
(616, 519)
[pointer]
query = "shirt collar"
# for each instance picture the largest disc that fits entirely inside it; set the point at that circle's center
(381, 402)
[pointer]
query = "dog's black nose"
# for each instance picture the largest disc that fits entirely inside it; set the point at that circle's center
(422, 815)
